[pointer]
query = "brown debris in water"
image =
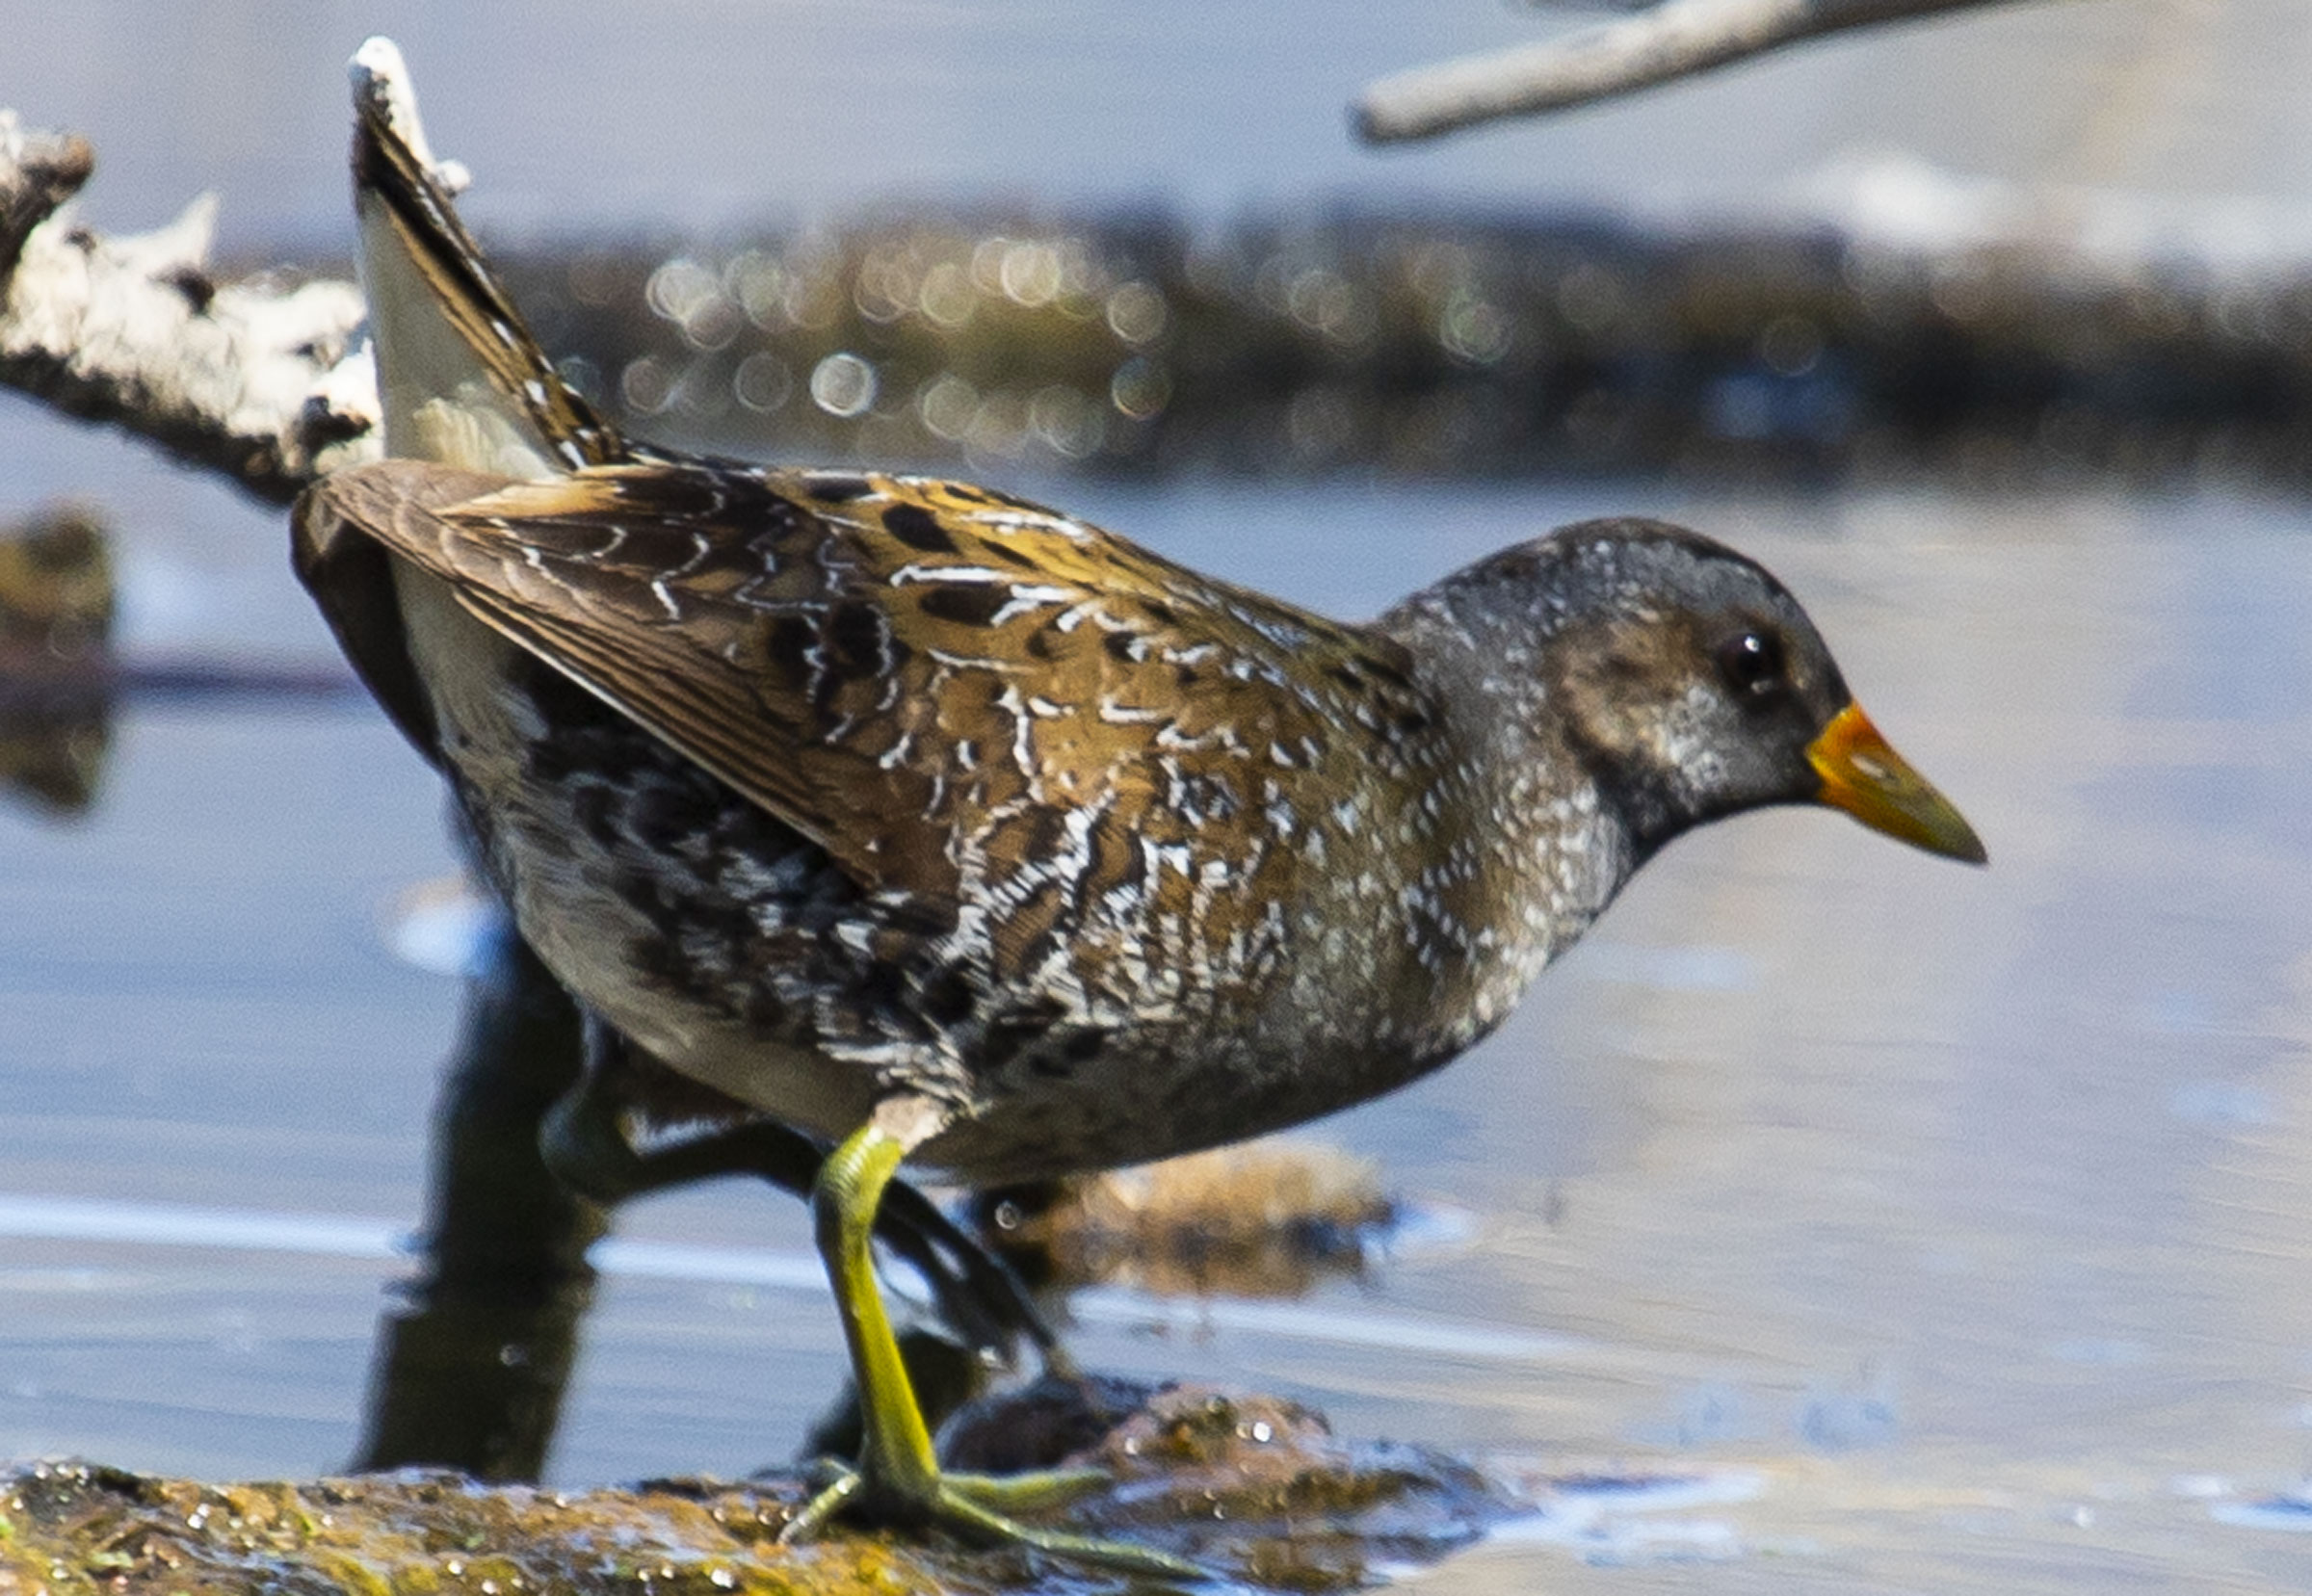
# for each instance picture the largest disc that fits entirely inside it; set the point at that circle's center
(1267, 1219)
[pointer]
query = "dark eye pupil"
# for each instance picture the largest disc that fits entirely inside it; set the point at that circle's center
(1752, 662)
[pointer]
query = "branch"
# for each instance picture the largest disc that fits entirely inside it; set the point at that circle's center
(257, 381)
(1680, 39)
(38, 172)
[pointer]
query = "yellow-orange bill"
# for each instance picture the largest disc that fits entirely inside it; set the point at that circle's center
(1869, 780)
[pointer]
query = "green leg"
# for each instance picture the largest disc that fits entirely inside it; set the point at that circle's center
(587, 1147)
(898, 1475)
(897, 1461)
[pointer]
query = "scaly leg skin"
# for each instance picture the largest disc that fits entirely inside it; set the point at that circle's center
(898, 1477)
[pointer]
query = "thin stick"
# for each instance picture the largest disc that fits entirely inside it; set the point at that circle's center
(1676, 40)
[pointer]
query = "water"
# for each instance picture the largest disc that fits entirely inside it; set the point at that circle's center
(1946, 1224)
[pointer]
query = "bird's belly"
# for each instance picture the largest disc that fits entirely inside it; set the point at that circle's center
(1134, 1106)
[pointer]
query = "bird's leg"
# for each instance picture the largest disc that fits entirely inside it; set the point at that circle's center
(897, 1461)
(586, 1146)
(898, 1474)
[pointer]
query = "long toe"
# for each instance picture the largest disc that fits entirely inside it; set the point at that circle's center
(977, 1507)
(841, 1490)
(1037, 1491)
(956, 1506)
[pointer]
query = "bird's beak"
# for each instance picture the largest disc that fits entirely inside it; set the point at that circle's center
(1869, 780)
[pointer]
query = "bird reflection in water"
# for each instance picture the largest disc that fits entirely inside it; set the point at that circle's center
(57, 681)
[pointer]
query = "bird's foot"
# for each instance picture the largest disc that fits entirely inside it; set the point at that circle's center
(979, 1508)
(899, 1480)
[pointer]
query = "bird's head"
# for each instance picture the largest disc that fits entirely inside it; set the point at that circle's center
(1690, 684)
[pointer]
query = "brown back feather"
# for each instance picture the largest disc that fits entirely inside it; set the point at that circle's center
(913, 674)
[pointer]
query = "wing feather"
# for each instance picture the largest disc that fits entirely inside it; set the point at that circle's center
(930, 680)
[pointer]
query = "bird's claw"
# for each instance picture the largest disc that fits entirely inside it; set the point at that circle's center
(978, 1509)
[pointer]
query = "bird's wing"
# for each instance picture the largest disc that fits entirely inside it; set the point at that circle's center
(461, 376)
(930, 680)
(341, 557)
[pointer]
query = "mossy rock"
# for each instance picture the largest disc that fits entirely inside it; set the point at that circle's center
(1255, 1489)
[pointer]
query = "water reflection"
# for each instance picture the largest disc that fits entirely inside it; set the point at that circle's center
(472, 1364)
(55, 670)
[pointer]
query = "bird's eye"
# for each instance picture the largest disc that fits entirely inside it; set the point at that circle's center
(1752, 663)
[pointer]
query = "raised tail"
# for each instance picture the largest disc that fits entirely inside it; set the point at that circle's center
(462, 381)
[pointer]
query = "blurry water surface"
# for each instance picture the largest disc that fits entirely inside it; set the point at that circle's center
(1947, 1226)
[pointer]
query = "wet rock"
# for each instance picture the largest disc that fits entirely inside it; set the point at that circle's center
(1248, 1484)
(1256, 1489)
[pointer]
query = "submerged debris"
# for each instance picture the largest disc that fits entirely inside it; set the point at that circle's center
(1271, 1218)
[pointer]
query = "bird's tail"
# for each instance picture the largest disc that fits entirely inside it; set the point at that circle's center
(462, 381)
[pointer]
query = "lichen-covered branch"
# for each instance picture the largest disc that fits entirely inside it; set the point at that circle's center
(259, 381)
(1677, 38)
(38, 172)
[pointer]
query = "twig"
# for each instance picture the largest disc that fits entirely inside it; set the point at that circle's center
(1676, 40)
(256, 381)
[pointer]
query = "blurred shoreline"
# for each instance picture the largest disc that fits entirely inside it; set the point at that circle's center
(1893, 322)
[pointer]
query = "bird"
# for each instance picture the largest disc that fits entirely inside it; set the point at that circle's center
(948, 829)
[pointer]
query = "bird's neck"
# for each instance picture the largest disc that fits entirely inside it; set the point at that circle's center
(1540, 851)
